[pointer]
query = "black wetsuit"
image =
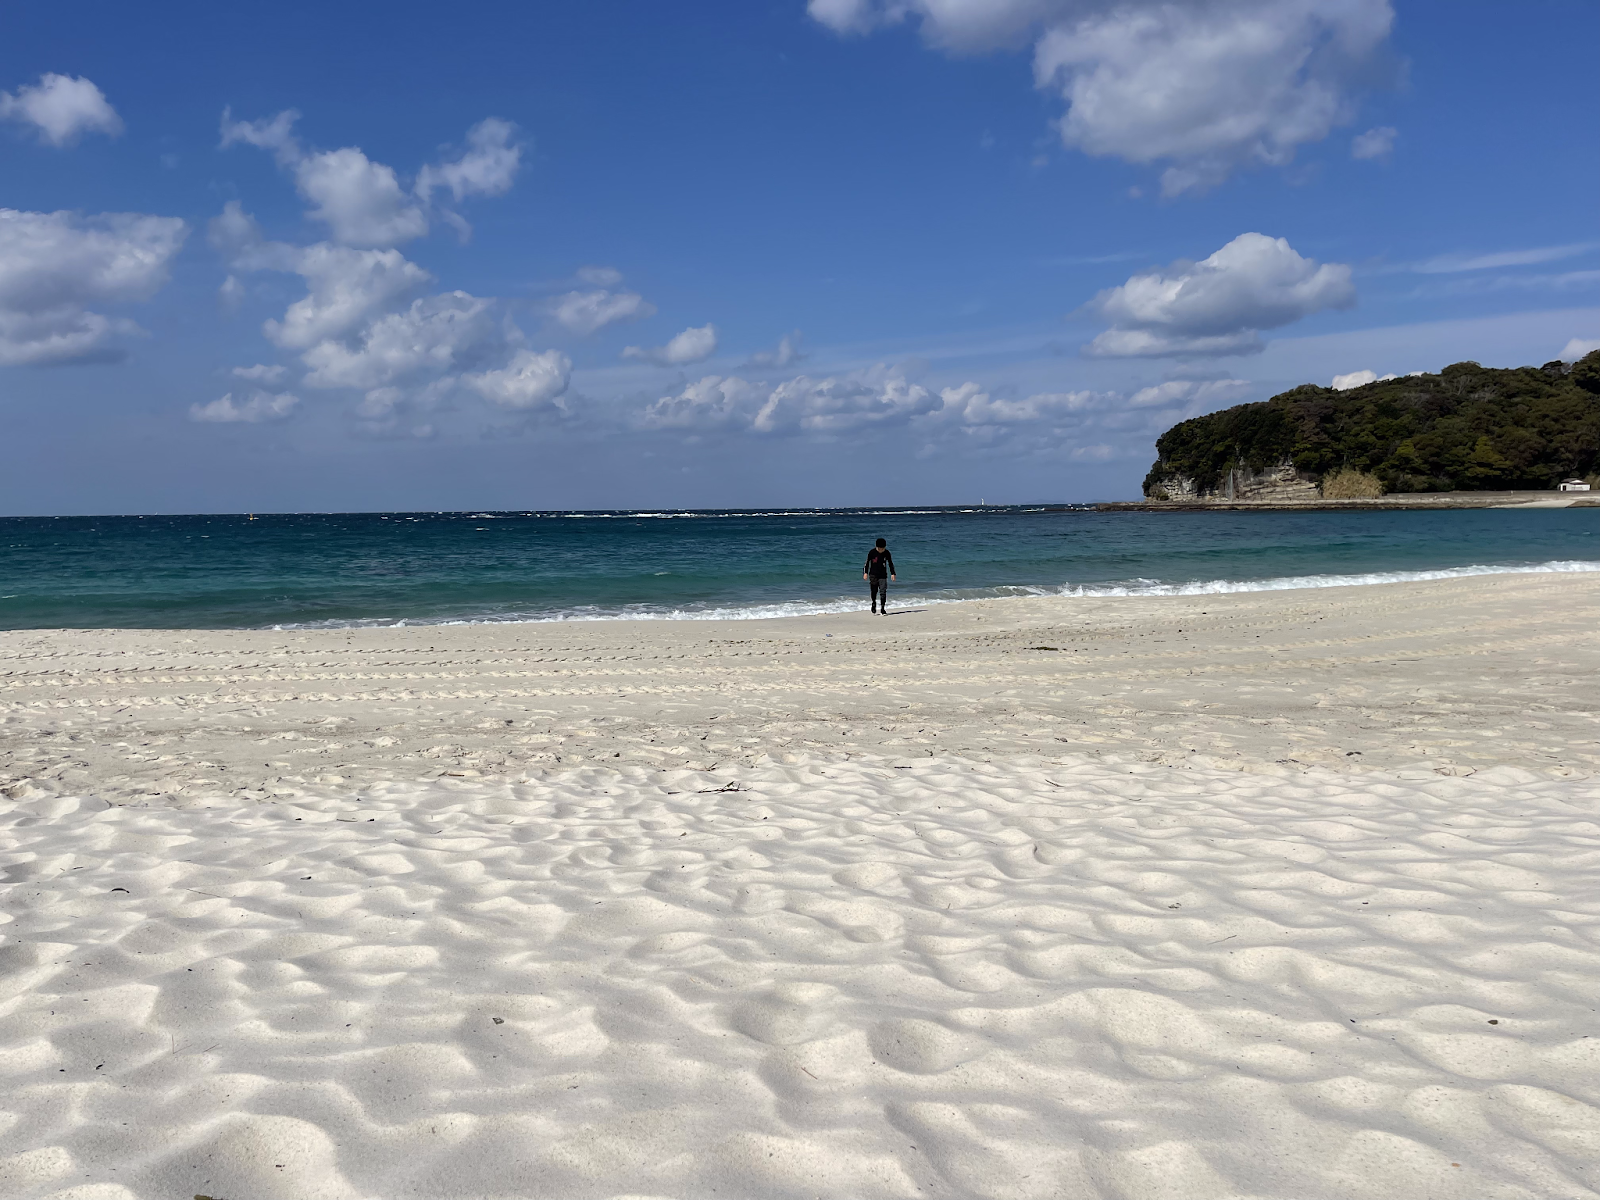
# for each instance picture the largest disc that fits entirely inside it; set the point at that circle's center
(880, 565)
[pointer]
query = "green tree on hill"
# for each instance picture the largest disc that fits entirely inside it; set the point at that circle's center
(1467, 428)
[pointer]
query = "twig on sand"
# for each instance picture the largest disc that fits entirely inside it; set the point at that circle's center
(727, 787)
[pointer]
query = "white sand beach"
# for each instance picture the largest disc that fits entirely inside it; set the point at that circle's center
(1267, 895)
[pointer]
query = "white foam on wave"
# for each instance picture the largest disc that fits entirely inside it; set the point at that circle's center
(842, 604)
(1211, 587)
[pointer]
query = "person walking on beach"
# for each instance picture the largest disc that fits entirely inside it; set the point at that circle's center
(878, 571)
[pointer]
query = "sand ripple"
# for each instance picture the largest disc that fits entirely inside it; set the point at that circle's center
(875, 979)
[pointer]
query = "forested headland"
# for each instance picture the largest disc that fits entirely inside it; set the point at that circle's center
(1467, 428)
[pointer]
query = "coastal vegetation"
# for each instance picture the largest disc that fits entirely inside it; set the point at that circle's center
(1466, 428)
(1349, 484)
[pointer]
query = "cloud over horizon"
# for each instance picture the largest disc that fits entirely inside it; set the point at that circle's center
(54, 265)
(1219, 305)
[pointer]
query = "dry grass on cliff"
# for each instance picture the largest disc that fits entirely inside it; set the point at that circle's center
(1348, 484)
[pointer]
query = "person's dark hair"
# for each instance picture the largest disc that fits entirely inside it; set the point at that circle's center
(882, 543)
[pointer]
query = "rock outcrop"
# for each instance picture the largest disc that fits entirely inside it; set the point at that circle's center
(1277, 484)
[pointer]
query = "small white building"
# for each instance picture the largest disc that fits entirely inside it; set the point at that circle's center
(1572, 485)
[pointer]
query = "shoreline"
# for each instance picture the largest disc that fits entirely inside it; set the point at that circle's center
(1397, 502)
(1457, 673)
(796, 609)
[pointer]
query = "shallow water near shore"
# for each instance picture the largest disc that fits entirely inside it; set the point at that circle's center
(234, 571)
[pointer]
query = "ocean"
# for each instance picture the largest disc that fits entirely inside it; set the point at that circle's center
(352, 569)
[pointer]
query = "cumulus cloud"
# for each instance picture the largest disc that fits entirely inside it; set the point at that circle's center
(875, 396)
(61, 108)
(882, 401)
(1218, 306)
(971, 404)
(1355, 379)
(363, 202)
(435, 334)
(690, 346)
(1207, 87)
(249, 408)
(1056, 417)
(54, 265)
(714, 402)
(345, 288)
(1577, 348)
(361, 324)
(360, 200)
(529, 380)
(788, 351)
(588, 312)
(486, 168)
(1374, 143)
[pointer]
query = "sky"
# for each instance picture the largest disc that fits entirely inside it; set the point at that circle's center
(367, 257)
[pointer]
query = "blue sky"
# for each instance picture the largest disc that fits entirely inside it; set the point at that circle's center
(850, 252)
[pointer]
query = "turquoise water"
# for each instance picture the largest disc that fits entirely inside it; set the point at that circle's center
(386, 568)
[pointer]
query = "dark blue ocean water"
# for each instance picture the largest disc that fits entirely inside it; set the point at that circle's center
(384, 568)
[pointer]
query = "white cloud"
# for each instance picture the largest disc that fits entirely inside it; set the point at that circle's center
(360, 200)
(714, 402)
(487, 168)
(260, 373)
(788, 351)
(691, 346)
(587, 312)
(1577, 348)
(875, 396)
(363, 202)
(1208, 87)
(53, 265)
(1069, 425)
(273, 134)
(254, 408)
(1355, 379)
(61, 108)
(1189, 393)
(529, 380)
(346, 287)
(962, 26)
(1218, 305)
(970, 404)
(1374, 143)
(435, 334)
(1052, 418)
